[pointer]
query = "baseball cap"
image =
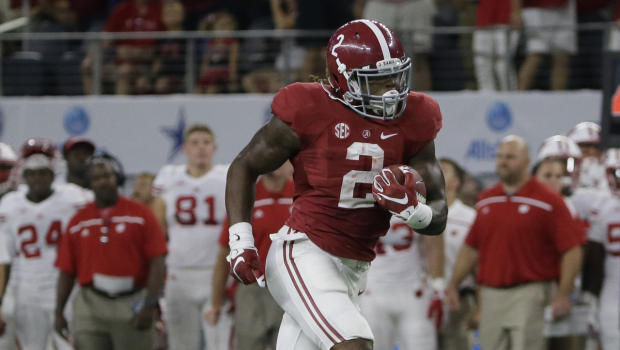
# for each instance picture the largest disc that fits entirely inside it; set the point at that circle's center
(75, 141)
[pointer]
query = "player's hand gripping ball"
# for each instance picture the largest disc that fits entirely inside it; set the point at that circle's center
(401, 190)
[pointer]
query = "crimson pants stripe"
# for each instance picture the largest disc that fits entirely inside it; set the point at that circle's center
(307, 297)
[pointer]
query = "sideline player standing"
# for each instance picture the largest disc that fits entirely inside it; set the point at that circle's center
(338, 136)
(603, 266)
(257, 316)
(454, 336)
(402, 301)
(193, 194)
(32, 222)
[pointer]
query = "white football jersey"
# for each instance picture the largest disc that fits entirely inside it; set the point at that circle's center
(399, 260)
(31, 234)
(592, 174)
(460, 219)
(195, 211)
(588, 202)
(606, 230)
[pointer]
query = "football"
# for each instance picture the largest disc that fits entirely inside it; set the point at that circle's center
(420, 188)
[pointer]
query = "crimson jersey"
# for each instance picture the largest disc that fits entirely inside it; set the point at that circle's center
(271, 209)
(340, 154)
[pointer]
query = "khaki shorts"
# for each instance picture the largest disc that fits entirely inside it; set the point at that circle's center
(103, 323)
(513, 318)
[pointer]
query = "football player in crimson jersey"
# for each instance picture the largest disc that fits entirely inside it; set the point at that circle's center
(31, 224)
(338, 135)
(192, 211)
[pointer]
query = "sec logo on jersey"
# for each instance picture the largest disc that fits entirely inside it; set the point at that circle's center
(342, 131)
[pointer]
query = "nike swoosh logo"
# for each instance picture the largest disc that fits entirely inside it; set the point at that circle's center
(402, 201)
(385, 137)
(240, 260)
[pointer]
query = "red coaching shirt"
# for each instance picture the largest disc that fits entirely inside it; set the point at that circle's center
(133, 237)
(493, 12)
(520, 237)
(270, 211)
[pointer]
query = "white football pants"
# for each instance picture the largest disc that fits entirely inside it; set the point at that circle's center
(186, 297)
(398, 316)
(318, 292)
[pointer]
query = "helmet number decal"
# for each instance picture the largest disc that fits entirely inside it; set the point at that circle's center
(353, 177)
(338, 44)
(342, 68)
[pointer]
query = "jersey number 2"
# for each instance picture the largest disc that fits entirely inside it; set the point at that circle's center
(353, 177)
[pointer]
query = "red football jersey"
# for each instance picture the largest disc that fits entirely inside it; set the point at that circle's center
(340, 154)
(270, 211)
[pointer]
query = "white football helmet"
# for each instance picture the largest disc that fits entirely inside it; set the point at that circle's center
(612, 167)
(8, 174)
(563, 148)
(586, 132)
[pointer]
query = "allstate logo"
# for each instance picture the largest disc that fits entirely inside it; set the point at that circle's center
(76, 121)
(499, 117)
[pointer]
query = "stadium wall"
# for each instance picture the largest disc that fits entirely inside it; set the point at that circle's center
(145, 132)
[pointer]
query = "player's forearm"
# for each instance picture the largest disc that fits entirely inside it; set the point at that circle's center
(435, 255)
(4, 280)
(155, 281)
(63, 290)
(438, 222)
(569, 268)
(240, 187)
(465, 263)
(220, 275)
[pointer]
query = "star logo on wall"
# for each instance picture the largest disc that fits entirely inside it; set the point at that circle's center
(175, 133)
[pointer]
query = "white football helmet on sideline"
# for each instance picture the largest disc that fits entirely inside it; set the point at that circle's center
(8, 175)
(587, 135)
(612, 169)
(586, 132)
(563, 148)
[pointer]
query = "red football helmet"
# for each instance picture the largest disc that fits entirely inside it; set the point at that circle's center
(368, 69)
(38, 145)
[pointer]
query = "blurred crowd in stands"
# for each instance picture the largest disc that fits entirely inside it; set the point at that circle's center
(505, 44)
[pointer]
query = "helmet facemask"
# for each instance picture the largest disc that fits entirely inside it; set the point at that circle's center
(380, 92)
